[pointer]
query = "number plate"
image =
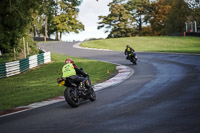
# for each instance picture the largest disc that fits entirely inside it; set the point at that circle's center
(62, 83)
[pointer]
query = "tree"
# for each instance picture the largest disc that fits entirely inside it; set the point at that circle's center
(158, 14)
(58, 16)
(193, 3)
(195, 10)
(139, 10)
(119, 22)
(15, 17)
(45, 14)
(66, 19)
(19, 18)
(178, 15)
(196, 15)
(36, 24)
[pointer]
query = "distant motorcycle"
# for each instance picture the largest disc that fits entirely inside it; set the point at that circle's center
(76, 92)
(133, 58)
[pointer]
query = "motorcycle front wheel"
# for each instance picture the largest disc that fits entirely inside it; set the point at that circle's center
(71, 97)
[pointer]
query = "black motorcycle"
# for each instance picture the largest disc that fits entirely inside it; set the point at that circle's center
(76, 92)
(133, 58)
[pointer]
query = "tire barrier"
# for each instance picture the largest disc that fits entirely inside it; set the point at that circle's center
(17, 67)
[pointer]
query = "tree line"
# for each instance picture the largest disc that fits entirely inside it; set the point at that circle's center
(149, 17)
(26, 18)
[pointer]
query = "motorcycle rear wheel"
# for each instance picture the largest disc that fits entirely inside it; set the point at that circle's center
(92, 95)
(133, 60)
(71, 98)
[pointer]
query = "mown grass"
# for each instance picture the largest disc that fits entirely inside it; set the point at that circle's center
(149, 44)
(41, 84)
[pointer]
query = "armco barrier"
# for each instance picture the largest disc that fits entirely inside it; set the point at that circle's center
(17, 67)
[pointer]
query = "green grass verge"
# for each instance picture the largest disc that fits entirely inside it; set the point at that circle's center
(41, 83)
(149, 44)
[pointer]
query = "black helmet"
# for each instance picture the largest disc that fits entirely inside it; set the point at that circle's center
(127, 46)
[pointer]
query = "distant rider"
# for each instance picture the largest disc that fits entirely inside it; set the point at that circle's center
(129, 51)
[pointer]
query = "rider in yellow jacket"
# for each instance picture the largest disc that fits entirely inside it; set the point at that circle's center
(128, 51)
(70, 70)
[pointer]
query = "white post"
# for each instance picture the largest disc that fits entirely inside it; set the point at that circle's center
(186, 28)
(195, 26)
(14, 54)
(24, 48)
(191, 29)
(27, 48)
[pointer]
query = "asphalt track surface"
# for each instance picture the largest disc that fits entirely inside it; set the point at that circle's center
(163, 96)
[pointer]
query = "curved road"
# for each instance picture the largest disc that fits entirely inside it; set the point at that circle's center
(163, 96)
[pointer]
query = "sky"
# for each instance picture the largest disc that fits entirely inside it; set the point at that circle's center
(88, 15)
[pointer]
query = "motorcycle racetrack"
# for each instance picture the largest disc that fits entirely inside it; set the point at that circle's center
(162, 96)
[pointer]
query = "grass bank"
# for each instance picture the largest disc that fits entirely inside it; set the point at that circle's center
(149, 44)
(40, 84)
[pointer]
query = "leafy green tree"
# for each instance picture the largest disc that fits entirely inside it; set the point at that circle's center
(14, 21)
(18, 17)
(66, 20)
(195, 10)
(193, 3)
(178, 15)
(119, 22)
(139, 10)
(196, 15)
(36, 25)
(45, 14)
